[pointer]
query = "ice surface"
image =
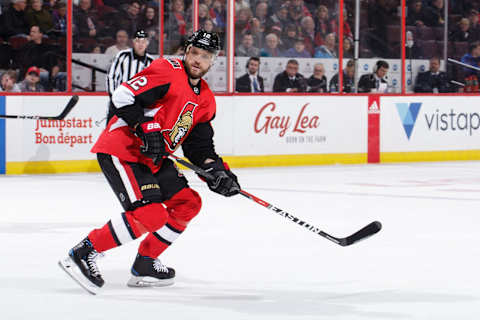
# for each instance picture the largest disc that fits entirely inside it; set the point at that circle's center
(239, 260)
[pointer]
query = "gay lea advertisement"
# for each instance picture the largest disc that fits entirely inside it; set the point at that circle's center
(299, 125)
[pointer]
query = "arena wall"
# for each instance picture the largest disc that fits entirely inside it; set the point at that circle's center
(261, 130)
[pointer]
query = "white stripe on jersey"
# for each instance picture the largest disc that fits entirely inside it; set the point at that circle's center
(124, 66)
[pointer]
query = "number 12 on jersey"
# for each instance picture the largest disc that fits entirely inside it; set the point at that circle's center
(137, 82)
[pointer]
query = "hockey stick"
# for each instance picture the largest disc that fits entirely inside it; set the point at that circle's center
(71, 103)
(367, 231)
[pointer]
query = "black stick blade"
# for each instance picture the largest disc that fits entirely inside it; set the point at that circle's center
(367, 231)
(73, 101)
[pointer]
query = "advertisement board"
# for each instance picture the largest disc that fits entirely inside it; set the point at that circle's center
(412, 123)
(272, 125)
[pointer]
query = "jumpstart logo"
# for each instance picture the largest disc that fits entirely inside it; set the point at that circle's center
(408, 113)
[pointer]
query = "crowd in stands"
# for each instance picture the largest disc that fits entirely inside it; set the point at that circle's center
(32, 45)
(263, 28)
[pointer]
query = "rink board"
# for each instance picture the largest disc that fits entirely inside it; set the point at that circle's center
(429, 128)
(249, 131)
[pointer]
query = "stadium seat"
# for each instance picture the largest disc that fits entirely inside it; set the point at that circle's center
(438, 33)
(425, 33)
(17, 42)
(428, 48)
(461, 48)
(393, 34)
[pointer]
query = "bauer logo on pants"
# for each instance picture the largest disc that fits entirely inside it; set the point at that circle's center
(408, 115)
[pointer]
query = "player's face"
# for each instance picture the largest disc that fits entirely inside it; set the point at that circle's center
(198, 62)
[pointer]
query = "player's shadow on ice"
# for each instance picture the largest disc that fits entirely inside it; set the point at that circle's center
(294, 302)
(39, 163)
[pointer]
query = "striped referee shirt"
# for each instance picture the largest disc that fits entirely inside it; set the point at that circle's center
(125, 65)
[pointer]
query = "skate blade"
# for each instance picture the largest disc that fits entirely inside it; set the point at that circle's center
(140, 282)
(74, 272)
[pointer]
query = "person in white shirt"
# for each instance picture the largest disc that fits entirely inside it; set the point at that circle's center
(121, 44)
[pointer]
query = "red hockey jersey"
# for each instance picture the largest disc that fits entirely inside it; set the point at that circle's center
(164, 93)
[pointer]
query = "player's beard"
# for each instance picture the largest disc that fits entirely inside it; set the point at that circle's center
(196, 75)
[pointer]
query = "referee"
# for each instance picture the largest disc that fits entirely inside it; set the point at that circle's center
(126, 64)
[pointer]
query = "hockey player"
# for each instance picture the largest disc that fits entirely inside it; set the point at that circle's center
(164, 106)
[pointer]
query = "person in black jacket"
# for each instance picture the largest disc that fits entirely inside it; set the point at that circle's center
(290, 80)
(375, 81)
(318, 81)
(348, 79)
(13, 20)
(433, 80)
(250, 81)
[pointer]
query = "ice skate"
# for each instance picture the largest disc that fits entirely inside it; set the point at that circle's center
(80, 264)
(148, 272)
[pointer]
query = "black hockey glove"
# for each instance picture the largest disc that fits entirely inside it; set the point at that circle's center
(224, 181)
(153, 146)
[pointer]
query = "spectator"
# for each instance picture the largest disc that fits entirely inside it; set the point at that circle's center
(219, 15)
(290, 80)
(257, 31)
(85, 20)
(322, 23)
(154, 42)
(347, 31)
(261, 10)
(299, 5)
(176, 24)
(433, 80)
(348, 79)
(318, 81)
(288, 41)
(295, 15)
(328, 49)
(13, 20)
(271, 49)
(148, 20)
(246, 49)
(60, 19)
(462, 32)
(36, 15)
(375, 82)
(298, 50)
(347, 48)
(472, 57)
(308, 32)
(121, 44)
(250, 81)
(208, 25)
(8, 81)
(242, 22)
(203, 13)
(279, 18)
(434, 14)
(241, 4)
(31, 83)
(474, 25)
(128, 19)
(416, 15)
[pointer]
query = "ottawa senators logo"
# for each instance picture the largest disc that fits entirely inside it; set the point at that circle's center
(184, 122)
